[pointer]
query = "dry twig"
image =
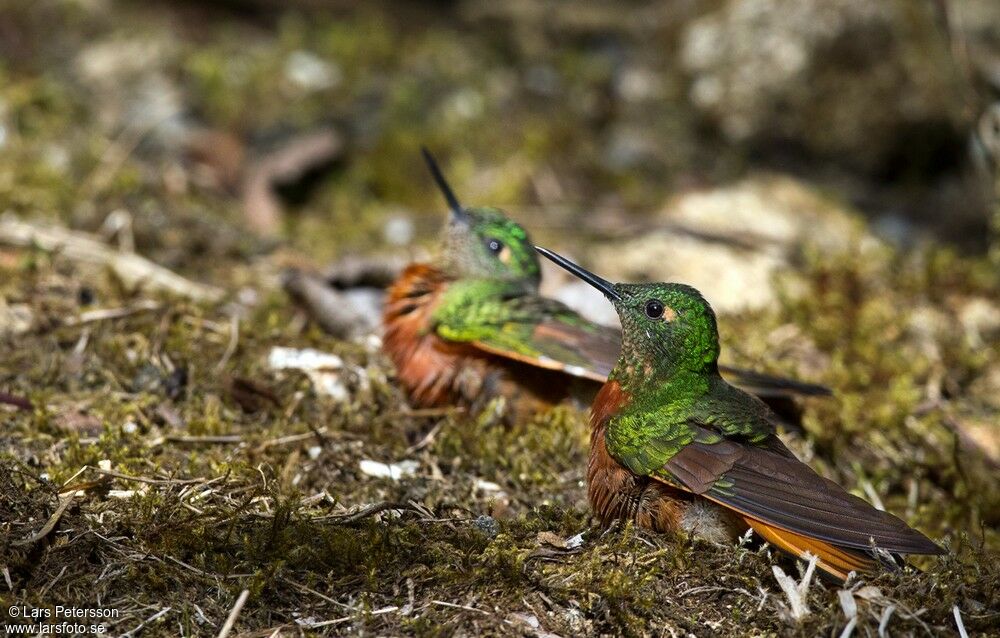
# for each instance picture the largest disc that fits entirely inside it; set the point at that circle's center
(133, 269)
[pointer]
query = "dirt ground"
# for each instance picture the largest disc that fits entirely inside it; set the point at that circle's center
(161, 459)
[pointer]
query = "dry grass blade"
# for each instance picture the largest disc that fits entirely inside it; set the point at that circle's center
(227, 628)
(64, 502)
(108, 314)
(134, 632)
(365, 512)
(234, 341)
(796, 593)
(883, 622)
(849, 628)
(150, 481)
(221, 439)
(441, 603)
(958, 622)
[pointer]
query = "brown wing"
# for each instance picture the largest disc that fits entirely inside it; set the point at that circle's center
(583, 350)
(769, 484)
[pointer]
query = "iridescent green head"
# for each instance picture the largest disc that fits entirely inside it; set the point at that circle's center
(665, 327)
(483, 243)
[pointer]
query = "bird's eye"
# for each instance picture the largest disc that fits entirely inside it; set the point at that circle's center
(494, 245)
(654, 309)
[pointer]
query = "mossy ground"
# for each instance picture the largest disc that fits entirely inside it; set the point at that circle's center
(245, 478)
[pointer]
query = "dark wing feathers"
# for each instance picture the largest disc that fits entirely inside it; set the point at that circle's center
(782, 491)
(770, 386)
(699, 466)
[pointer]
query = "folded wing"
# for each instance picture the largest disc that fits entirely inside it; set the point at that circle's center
(769, 485)
(582, 350)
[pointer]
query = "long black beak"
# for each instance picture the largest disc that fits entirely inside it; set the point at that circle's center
(600, 283)
(457, 211)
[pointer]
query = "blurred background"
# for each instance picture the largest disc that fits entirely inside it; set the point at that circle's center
(301, 121)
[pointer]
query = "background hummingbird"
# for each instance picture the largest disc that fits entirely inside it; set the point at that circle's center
(471, 325)
(669, 437)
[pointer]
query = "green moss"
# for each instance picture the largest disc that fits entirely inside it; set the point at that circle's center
(264, 511)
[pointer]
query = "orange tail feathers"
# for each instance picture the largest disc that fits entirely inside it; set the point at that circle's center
(836, 561)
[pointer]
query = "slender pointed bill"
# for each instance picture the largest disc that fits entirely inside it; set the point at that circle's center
(458, 213)
(600, 283)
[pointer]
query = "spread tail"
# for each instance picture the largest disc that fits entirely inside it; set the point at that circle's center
(836, 561)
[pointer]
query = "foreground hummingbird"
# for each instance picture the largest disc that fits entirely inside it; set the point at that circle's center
(674, 446)
(471, 326)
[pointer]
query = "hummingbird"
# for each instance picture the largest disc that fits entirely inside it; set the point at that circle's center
(674, 446)
(471, 325)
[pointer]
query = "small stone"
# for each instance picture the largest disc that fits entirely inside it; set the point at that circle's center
(398, 230)
(323, 369)
(15, 319)
(394, 471)
(466, 104)
(487, 525)
(543, 79)
(639, 84)
(488, 486)
(310, 72)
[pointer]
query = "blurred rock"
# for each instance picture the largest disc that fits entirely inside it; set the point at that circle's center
(977, 23)
(487, 525)
(312, 73)
(849, 80)
(15, 319)
(577, 294)
(728, 242)
(131, 89)
(398, 230)
(324, 369)
(639, 84)
(980, 318)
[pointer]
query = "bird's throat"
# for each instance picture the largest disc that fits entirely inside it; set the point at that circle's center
(649, 385)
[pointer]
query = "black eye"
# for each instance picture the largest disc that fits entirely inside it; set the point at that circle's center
(495, 245)
(654, 309)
